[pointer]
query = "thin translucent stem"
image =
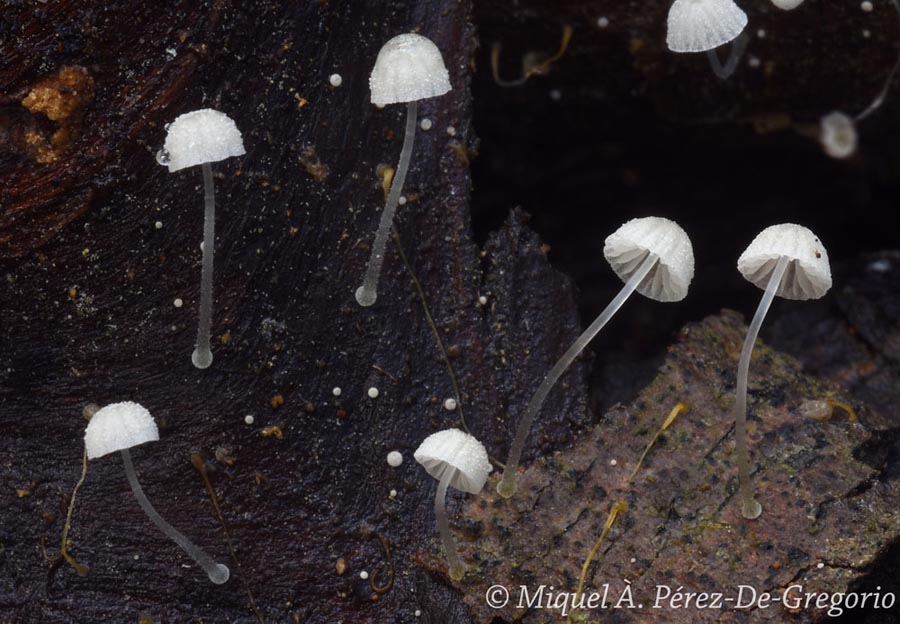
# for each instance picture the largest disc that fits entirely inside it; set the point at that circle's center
(750, 507)
(218, 572)
(507, 485)
(882, 95)
(457, 568)
(202, 356)
(368, 292)
(735, 53)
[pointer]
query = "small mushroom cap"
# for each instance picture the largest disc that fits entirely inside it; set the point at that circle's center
(409, 67)
(808, 276)
(837, 134)
(454, 449)
(201, 136)
(701, 25)
(787, 5)
(119, 426)
(668, 280)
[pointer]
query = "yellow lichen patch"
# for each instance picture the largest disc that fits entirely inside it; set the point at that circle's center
(386, 173)
(276, 401)
(61, 98)
(274, 430)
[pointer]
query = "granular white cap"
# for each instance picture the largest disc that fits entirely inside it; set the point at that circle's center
(808, 276)
(668, 280)
(837, 134)
(452, 449)
(201, 136)
(409, 67)
(701, 25)
(119, 426)
(787, 5)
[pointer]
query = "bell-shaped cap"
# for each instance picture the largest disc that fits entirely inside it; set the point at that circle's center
(701, 25)
(452, 449)
(119, 426)
(627, 247)
(787, 5)
(409, 67)
(837, 134)
(808, 276)
(201, 136)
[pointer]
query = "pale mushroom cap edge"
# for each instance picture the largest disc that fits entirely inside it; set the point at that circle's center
(701, 25)
(808, 276)
(452, 449)
(119, 426)
(409, 67)
(627, 247)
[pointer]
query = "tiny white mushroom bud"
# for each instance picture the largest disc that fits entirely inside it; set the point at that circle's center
(450, 404)
(394, 459)
(837, 134)
(335, 80)
(336, 391)
(373, 392)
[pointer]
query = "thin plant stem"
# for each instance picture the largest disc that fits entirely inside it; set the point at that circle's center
(218, 573)
(457, 569)
(750, 507)
(507, 485)
(202, 356)
(64, 549)
(882, 95)
(368, 292)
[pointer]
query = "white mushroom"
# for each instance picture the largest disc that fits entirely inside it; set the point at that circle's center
(409, 68)
(837, 134)
(120, 426)
(703, 25)
(654, 257)
(787, 260)
(458, 460)
(202, 137)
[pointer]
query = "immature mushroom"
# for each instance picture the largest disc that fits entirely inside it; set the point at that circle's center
(409, 68)
(785, 260)
(653, 256)
(703, 25)
(837, 134)
(456, 459)
(199, 138)
(787, 5)
(118, 427)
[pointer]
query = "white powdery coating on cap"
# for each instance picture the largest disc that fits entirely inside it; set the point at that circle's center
(837, 134)
(409, 67)
(668, 280)
(808, 276)
(701, 25)
(119, 426)
(201, 136)
(787, 5)
(452, 449)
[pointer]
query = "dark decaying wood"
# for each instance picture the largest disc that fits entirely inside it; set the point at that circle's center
(97, 242)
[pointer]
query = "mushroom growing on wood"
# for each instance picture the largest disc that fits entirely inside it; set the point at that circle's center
(703, 26)
(199, 138)
(409, 68)
(787, 260)
(458, 460)
(118, 427)
(654, 257)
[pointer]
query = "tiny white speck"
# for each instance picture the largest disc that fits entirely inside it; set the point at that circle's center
(394, 459)
(761, 33)
(248, 419)
(136, 557)
(555, 95)
(201, 245)
(450, 404)
(425, 124)
(613, 462)
(602, 22)
(392, 494)
(418, 613)
(882, 265)
(867, 6)
(172, 52)
(820, 565)
(482, 300)
(402, 200)
(336, 391)
(866, 33)
(335, 80)
(178, 303)
(633, 560)
(451, 130)
(363, 575)
(753, 61)
(373, 392)
(158, 225)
